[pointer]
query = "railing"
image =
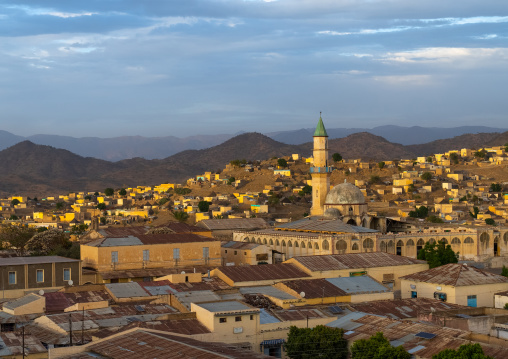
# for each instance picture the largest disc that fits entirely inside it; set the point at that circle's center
(320, 169)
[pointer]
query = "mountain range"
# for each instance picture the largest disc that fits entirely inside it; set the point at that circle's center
(34, 170)
(125, 147)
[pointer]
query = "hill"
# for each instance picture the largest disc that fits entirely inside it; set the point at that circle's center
(456, 143)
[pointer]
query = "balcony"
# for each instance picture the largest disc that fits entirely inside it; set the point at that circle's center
(320, 169)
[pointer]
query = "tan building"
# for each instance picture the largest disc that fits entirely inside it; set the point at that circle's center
(172, 250)
(244, 253)
(455, 283)
(320, 171)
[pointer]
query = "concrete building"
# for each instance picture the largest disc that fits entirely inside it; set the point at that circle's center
(245, 253)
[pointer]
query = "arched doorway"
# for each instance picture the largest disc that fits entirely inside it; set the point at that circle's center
(400, 245)
(351, 222)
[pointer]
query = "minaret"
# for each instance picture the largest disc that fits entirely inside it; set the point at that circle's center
(320, 171)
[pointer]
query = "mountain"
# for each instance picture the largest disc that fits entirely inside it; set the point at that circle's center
(501, 140)
(474, 141)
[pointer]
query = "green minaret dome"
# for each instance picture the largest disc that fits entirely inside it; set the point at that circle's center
(320, 129)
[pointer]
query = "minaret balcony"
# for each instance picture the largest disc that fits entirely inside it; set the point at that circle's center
(320, 169)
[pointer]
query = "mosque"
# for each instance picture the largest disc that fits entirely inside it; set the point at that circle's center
(340, 223)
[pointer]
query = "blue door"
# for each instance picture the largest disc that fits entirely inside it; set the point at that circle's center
(471, 301)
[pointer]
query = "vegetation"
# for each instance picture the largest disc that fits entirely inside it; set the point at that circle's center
(203, 206)
(15, 202)
(506, 147)
(420, 212)
(163, 201)
(320, 341)
(438, 254)
(481, 153)
(305, 190)
(59, 205)
(454, 158)
(183, 191)
(496, 187)
(101, 206)
(109, 191)
(374, 179)
(381, 165)
(238, 163)
(429, 159)
(475, 212)
(79, 229)
(434, 219)
(15, 238)
(336, 157)
(426, 176)
(465, 351)
(377, 347)
(231, 180)
(122, 192)
(180, 216)
(281, 162)
(490, 221)
(504, 271)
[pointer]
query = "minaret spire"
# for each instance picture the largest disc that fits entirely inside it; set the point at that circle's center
(320, 171)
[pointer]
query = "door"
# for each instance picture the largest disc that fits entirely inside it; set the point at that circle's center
(471, 301)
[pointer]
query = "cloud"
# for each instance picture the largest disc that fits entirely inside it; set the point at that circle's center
(405, 79)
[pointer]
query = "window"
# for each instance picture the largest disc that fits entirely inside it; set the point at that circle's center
(67, 274)
(245, 253)
(146, 255)
(114, 257)
(40, 275)
(206, 252)
(236, 252)
(414, 294)
(252, 317)
(226, 251)
(12, 277)
(222, 320)
(238, 319)
(176, 253)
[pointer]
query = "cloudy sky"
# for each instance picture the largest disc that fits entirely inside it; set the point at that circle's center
(155, 68)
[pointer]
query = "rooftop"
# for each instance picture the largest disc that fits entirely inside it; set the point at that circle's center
(227, 306)
(263, 272)
(239, 245)
(27, 299)
(322, 224)
(147, 239)
(456, 275)
(234, 223)
(353, 261)
(14, 261)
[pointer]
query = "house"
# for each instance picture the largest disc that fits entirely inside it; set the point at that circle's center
(242, 253)
(23, 275)
(266, 274)
(455, 283)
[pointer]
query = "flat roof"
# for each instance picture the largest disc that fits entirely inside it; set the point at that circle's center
(227, 306)
(147, 239)
(233, 223)
(13, 261)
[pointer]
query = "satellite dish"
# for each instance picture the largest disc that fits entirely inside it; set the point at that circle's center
(183, 272)
(41, 292)
(70, 282)
(302, 294)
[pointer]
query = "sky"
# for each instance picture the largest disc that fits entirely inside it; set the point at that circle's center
(110, 68)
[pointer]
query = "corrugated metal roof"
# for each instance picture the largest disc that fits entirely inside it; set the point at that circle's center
(127, 290)
(267, 290)
(233, 224)
(148, 239)
(320, 224)
(189, 326)
(299, 314)
(315, 288)
(34, 260)
(263, 272)
(239, 245)
(11, 343)
(267, 318)
(355, 285)
(353, 261)
(27, 299)
(456, 275)
(228, 306)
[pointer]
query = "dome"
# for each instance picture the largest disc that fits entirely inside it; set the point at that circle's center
(345, 193)
(332, 213)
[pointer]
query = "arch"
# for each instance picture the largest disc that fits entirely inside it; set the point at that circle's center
(246, 239)
(382, 246)
(505, 237)
(420, 242)
(455, 241)
(277, 243)
(296, 244)
(410, 243)
(354, 247)
(325, 245)
(341, 246)
(351, 222)
(253, 240)
(271, 242)
(443, 240)
(259, 240)
(484, 237)
(390, 244)
(303, 244)
(468, 240)
(368, 243)
(432, 241)
(316, 245)
(365, 223)
(290, 244)
(283, 243)
(400, 244)
(264, 241)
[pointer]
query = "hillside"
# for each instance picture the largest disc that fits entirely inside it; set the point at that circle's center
(500, 140)
(456, 143)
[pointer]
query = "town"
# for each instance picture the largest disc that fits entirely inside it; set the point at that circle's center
(235, 262)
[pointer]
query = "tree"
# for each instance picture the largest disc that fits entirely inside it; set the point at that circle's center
(481, 153)
(374, 179)
(203, 206)
(426, 176)
(281, 162)
(181, 216)
(15, 202)
(59, 205)
(45, 243)
(381, 165)
(305, 190)
(320, 341)
(438, 254)
(16, 238)
(122, 192)
(504, 272)
(183, 191)
(465, 351)
(231, 180)
(496, 187)
(101, 206)
(429, 159)
(336, 157)
(490, 221)
(434, 219)
(475, 212)
(163, 201)
(454, 158)
(109, 191)
(506, 147)
(377, 347)
(420, 212)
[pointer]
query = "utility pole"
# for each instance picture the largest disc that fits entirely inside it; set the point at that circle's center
(83, 327)
(70, 330)
(23, 340)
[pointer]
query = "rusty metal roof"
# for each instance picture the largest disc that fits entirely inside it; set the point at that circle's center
(179, 227)
(143, 344)
(58, 301)
(233, 224)
(239, 245)
(402, 308)
(299, 314)
(147, 239)
(320, 224)
(119, 232)
(456, 275)
(14, 261)
(11, 343)
(353, 261)
(156, 272)
(263, 272)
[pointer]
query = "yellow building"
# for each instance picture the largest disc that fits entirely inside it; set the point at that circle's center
(455, 283)
(241, 253)
(145, 251)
